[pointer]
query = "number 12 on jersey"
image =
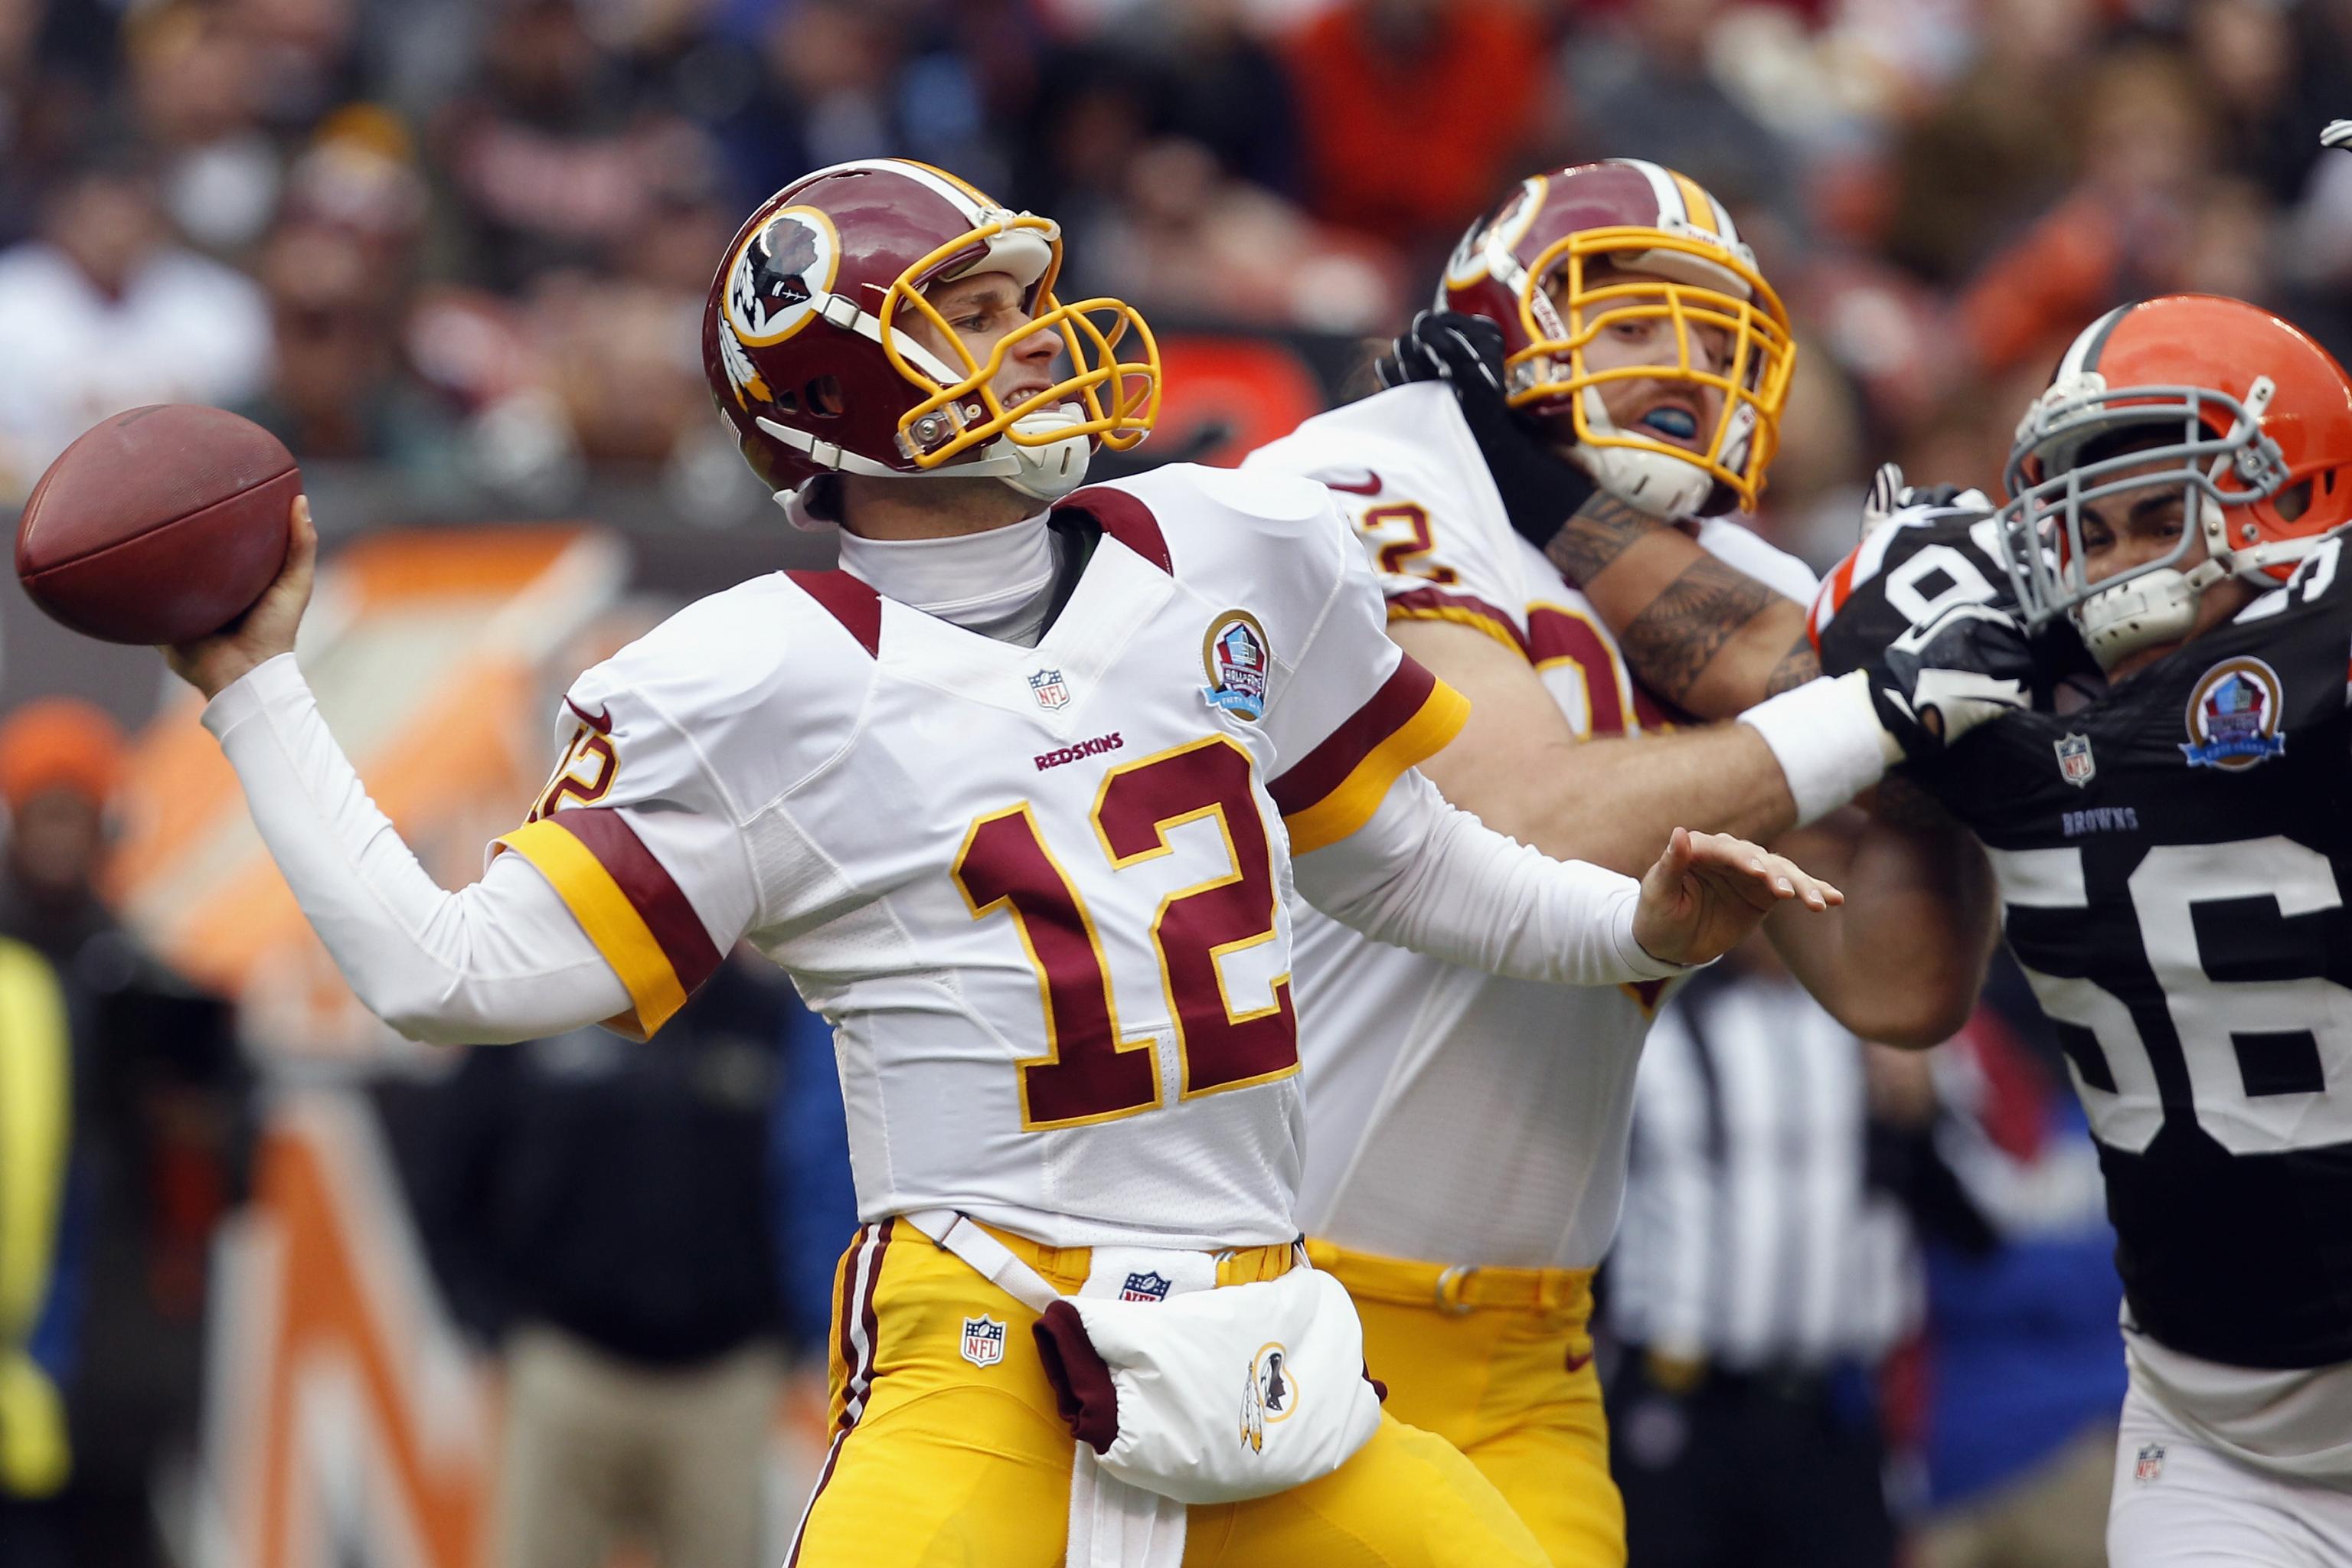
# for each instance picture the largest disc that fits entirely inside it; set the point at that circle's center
(1091, 1070)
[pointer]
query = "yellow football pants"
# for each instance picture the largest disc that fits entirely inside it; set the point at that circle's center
(1498, 1362)
(941, 1456)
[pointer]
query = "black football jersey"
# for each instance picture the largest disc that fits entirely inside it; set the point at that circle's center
(2173, 855)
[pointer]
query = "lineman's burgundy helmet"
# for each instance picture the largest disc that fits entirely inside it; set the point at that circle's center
(1529, 267)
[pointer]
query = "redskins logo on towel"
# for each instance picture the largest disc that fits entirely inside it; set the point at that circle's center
(1271, 1395)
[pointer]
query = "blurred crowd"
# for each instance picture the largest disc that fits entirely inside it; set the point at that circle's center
(467, 238)
(466, 242)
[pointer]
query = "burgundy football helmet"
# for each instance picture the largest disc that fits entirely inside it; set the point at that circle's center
(806, 347)
(1530, 267)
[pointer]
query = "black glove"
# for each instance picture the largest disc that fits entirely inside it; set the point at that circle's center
(1889, 494)
(1945, 677)
(1540, 489)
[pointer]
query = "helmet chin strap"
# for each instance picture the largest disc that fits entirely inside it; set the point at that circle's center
(2153, 607)
(1046, 471)
(1658, 483)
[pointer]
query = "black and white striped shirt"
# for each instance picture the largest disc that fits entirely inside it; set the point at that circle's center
(1752, 1238)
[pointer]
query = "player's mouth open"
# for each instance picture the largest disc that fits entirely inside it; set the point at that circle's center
(1671, 423)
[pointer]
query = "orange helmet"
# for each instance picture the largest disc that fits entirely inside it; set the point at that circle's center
(2265, 423)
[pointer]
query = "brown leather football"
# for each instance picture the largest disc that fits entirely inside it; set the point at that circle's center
(159, 525)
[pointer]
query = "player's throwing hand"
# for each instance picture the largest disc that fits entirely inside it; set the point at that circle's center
(1708, 890)
(263, 632)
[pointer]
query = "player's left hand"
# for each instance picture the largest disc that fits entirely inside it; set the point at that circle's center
(1708, 890)
(1540, 489)
(1890, 493)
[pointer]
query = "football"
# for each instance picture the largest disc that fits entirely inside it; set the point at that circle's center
(158, 525)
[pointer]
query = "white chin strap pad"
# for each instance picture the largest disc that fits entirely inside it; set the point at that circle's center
(2155, 607)
(1658, 483)
(1048, 473)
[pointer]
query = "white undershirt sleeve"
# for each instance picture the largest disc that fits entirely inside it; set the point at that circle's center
(502, 960)
(1426, 875)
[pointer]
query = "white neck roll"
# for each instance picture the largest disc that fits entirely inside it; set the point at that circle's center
(997, 582)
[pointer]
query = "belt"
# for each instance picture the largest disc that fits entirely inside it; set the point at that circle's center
(1066, 1267)
(1454, 1286)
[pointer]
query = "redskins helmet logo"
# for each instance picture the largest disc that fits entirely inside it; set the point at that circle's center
(1486, 250)
(782, 269)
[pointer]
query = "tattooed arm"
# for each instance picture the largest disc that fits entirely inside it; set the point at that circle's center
(1903, 960)
(1695, 630)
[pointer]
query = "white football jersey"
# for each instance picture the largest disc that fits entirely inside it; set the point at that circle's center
(1041, 893)
(1460, 1117)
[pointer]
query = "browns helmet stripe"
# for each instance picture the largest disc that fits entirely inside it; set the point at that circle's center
(2082, 354)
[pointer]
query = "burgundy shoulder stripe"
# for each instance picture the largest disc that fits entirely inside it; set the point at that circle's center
(1125, 519)
(1440, 601)
(849, 600)
(679, 932)
(1325, 768)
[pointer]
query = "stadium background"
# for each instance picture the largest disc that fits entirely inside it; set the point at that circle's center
(454, 252)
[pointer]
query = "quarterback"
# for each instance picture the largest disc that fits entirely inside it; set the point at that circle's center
(1018, 796)
(1601, 383)
(2137, 668)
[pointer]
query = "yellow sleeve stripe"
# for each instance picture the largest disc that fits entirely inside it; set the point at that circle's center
(1350, 803)
(613, 923)
(1493, 629)
(1462, 609)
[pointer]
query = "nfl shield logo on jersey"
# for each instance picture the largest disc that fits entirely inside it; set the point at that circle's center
(2076, 765)
(1149, 1287)
(983, 1341)
(2150, 1463)
(2235, 715)
(1235, 653)
(1047, 686)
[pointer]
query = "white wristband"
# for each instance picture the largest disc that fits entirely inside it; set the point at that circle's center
(1828, 741)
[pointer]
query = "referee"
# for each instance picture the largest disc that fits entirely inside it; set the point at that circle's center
(1759, 1276)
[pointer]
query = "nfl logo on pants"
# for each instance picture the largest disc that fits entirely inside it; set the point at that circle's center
(983, 1341)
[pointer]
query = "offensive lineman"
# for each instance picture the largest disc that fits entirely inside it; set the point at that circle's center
(1017, 797)
(1607, 363)
(2167, 818)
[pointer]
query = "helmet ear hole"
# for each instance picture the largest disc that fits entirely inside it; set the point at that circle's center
(823, 395)
(2293, 502)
